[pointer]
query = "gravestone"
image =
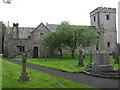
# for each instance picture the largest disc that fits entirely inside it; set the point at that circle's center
(89, 65)
(102, 57)
(116, 57)
(24, 76)
(80, 62)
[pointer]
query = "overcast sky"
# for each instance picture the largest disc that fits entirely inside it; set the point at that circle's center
(30, 13)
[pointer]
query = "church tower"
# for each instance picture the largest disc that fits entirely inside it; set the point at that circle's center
(106, 17)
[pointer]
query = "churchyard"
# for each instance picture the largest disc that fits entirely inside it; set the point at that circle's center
(65, 67)
(65, 63)
(59, 59)
(12, 71)
(100, 64)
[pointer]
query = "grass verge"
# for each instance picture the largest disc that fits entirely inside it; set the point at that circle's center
(11, 73)
(0, 73)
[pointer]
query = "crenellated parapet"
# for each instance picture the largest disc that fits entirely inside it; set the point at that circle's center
(103, 10)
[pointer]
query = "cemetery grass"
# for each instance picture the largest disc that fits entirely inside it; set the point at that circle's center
(12, 71)
(0, 73)
(65, 63)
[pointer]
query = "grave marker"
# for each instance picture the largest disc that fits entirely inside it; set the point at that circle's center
(24, 76)
(80, 62)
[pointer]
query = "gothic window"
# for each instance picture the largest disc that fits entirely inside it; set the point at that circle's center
(94, 18)
(21, 48)
(108, 44)
(107, 17)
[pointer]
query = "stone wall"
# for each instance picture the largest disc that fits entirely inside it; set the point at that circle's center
(0, 37)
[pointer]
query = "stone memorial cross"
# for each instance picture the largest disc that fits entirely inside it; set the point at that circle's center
(24, 76)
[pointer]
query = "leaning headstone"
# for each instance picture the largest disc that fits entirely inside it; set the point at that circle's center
(80, 62)
(24, 76)
(102, 57)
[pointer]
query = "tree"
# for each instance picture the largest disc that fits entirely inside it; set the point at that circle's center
(7, 1)
(75, 36)
(48, 43)
(70, 36)
(63, 35)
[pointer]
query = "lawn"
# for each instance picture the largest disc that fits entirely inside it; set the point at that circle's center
(66, 63)
(12, 71)
(0, 72)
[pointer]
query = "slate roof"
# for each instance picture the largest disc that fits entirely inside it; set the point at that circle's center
(24, 32)
(52, 27)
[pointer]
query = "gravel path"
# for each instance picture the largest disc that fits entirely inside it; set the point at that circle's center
(95, 82)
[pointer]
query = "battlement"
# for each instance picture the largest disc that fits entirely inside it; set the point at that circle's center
(104, 10)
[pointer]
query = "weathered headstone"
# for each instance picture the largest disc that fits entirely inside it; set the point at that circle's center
(24, 76)
(80, 62)
(102, 57)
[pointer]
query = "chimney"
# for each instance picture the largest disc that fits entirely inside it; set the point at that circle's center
(15, 30)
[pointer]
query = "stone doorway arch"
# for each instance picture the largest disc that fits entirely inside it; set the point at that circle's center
(35, 52)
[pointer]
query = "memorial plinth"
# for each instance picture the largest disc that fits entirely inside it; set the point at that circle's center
(102, 62)
(24, 76)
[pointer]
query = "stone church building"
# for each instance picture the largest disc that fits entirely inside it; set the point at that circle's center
(16, 43)
(20, 39)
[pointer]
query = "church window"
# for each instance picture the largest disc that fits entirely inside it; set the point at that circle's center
(41, 33)
(94, 18)
(108, 44)
(21, 48)
(107, 17)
